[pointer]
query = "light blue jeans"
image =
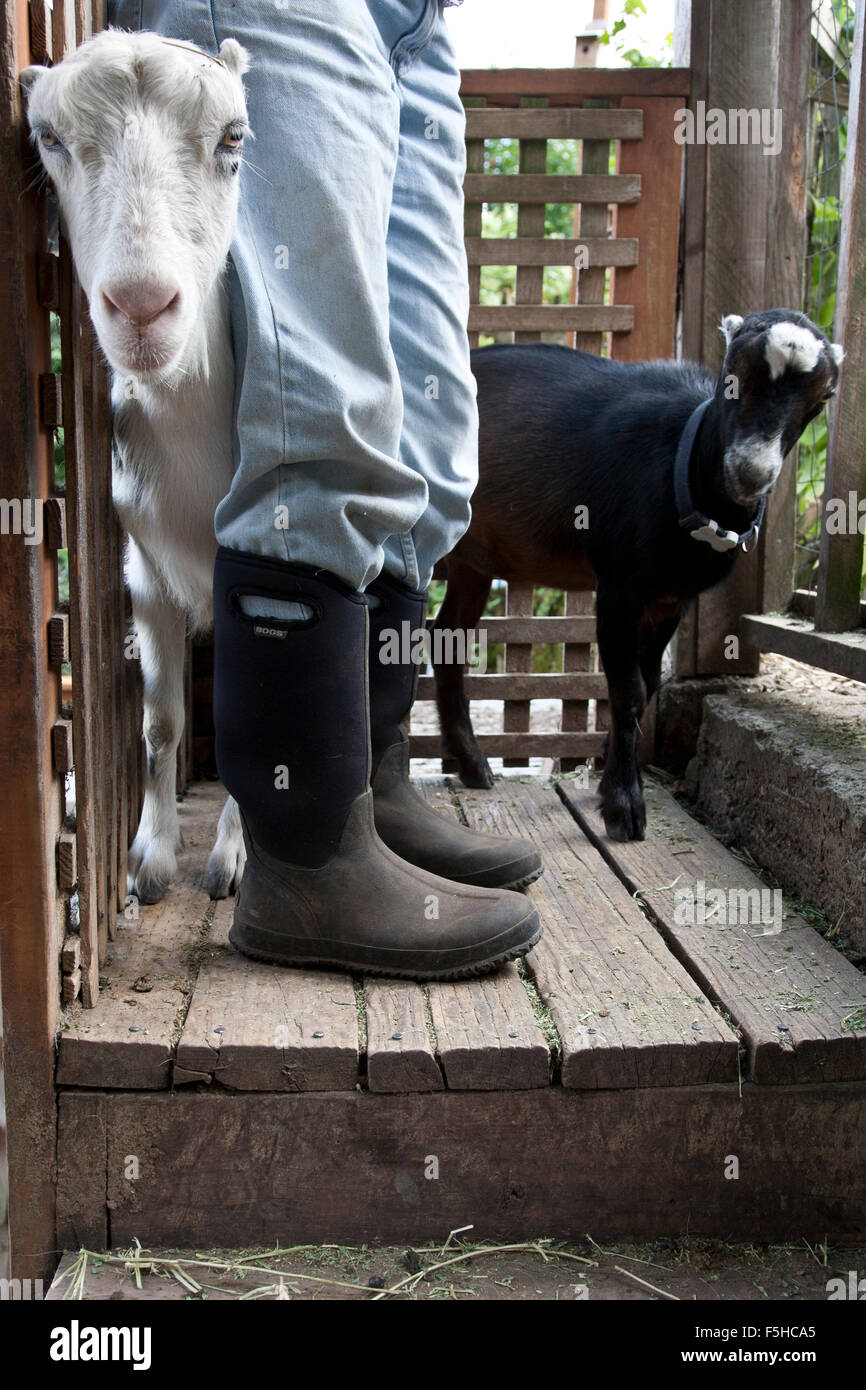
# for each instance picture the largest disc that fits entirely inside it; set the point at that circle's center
(355, 404)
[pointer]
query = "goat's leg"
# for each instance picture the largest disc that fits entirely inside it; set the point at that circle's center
(161, 631)
(653, 642)
(461, 609)
(621, 788)
(228, 856)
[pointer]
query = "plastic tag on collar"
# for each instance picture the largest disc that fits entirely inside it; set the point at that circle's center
(715, 536)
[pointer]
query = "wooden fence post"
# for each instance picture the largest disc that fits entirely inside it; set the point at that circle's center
(837, 605)
(31, 925)
(743, 250)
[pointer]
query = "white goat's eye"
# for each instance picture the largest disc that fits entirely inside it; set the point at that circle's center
(233, 138)
(48, 138)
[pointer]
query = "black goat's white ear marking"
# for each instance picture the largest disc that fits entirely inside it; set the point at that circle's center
(790, 345)
(236, 58)
(729, 325)
(837, 352)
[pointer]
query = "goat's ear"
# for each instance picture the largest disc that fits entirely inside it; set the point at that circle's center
(837, 352)
(29, 77)
(236, 58)
(730, 324)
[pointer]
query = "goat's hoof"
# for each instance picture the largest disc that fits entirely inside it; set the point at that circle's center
(150, 870)
(225, 868)
(477, 774)
(624, 814)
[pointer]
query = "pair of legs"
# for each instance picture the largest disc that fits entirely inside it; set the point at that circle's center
(355, 431)
(356, 423)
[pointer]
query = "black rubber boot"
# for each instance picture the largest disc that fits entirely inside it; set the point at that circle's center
(404, 820)
(292, 747)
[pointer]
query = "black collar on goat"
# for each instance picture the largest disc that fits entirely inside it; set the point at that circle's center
(700, 527)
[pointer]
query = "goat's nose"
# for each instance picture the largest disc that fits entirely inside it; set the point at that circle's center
(141, 301)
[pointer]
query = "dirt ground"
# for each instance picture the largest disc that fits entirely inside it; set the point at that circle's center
(694, 1270)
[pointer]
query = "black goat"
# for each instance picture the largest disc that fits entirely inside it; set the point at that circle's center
(672, 465)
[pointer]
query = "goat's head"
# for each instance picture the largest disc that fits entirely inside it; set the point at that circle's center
(142, 139)
(778, 373)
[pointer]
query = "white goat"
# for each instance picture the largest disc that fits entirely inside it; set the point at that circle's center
(142, 137)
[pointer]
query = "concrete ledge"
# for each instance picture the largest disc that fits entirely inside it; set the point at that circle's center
(784, 773)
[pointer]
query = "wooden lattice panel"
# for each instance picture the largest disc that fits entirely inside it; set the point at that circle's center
(625, 218)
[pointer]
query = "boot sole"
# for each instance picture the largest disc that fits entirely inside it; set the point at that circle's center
(286, 956)
(512, 883)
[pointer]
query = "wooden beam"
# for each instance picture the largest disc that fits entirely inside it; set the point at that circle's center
(600, 251)
(550, 123)
(572, 629)
(740, 202)
(552, 318)
(844, 653)
(552, 188)
(518, 745)
(31, 921)
(841, 556)
(569, 86)
(566, 685)
(237, 1170)
(651, 286)
(803, 604)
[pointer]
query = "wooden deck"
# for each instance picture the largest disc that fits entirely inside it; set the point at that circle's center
(613, 1085)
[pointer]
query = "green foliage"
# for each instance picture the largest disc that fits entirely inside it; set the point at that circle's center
(500, 220)
(634, 46)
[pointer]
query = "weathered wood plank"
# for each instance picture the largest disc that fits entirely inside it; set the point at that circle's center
(236, 1170)
(568, 86)
(257, 1027)
(578, 661)
(551, 318)
(651, 286)
(82, 619)
(570, 685)
(487, 1037)
(529, 279)
(518, 658)
(552, 188)
(785, 257)
(127, 1041)
(788, 990)
(626, 1011)
(473, 223)
(600, 251)
(841, 652)
(550, 123)
(31, 923)
(82, 1212)
(571, 629)
(561, 745)
(400, 1054)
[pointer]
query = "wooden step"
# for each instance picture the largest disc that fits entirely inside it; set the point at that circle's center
(607, 999)
(792, 994)
(128, 1040)
(626, 1011)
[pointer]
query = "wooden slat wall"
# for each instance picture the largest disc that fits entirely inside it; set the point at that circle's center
(43, 742)
(628, 221)
(95, 738)
(106, 711)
